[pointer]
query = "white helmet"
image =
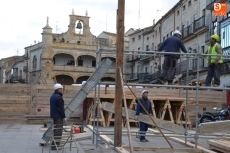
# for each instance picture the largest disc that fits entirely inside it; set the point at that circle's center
(144, 91)
(58, 86)
(177, 32)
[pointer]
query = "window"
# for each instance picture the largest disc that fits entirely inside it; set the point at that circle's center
(188, 22)
(34, 61)
(139, 37)
(167, 35)
(189, 3)
(177, 28)
(133, 39)
(153, 36)
(178, 12)
(194, 17)
(184, 8)
(147, 38)
(147, 47)
(164, 38)
(94, 63)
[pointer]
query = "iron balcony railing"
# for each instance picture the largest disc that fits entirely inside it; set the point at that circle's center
(224, 68)
(199, 23)
(131, 76)
(25, 68)
(143, 77)
(209, 3)
(187, 31)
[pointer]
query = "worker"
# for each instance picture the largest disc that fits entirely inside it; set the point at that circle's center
(172, 44)
(57, 113)
(148, 106)
(214, 61)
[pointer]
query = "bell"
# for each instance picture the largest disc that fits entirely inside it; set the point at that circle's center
(79, 26)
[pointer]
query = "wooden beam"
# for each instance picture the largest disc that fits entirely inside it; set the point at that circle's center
(164, 150)
(119, 63)
(190, 145)
(145, 118)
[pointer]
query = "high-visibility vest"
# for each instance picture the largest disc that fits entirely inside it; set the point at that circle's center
(212, 50)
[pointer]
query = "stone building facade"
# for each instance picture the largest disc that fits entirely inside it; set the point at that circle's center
(67, 58)
(196, 21)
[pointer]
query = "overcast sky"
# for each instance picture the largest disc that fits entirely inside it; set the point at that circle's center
(22, 20)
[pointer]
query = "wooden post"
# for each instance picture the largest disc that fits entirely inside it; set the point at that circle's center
(119, 63)
(127, 115)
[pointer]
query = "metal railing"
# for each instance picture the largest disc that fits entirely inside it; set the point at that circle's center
(143, 77)
(209, 3)
(199, 23)
(131, 76)
(187, 31)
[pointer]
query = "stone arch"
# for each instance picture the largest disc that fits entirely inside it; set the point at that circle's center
(62, 59)
(108, 79)
(79, 27)
(64, 79)
(82, 78)
(86, 61)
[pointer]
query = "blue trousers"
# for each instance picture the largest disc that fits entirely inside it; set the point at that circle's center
(169, 68)
(144, 129)
(213, 71)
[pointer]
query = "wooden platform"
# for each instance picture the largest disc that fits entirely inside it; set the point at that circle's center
(220, 145)
(26, 99)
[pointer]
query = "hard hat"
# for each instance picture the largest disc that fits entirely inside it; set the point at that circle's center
(215, 36)
(177, 32)
(144, 91)
(58, 86)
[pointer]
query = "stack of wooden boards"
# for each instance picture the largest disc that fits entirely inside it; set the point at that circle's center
(15, 102)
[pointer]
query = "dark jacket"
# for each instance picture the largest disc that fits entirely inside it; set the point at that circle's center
(173, 44)
(57, 106)
(146, 103)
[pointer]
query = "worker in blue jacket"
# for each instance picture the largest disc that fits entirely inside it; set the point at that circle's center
(57, 113)
(172, 44)
(148, 106)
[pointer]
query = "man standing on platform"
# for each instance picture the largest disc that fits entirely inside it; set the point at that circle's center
(57, 113)
(214, 61)
(148, 106)
(171, 45)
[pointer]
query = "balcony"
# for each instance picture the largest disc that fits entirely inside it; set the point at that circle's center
(154, 76)
(201, 25)
(78, 69)
(26, 56)
(25, 68)
(143, 77)
(14, 79)
(210, 3)
(187, 33)
(224, 69)
(131, 77)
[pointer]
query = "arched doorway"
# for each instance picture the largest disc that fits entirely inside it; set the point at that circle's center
(107, 79)
(81, 79)
(63, 59)
(64, 79)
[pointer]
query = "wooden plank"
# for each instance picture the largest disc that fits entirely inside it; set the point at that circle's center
(190, 145)
(164, 150)
(120, 150)
(6, 97)
(144, 118)
(220, 145)
(212, 127)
